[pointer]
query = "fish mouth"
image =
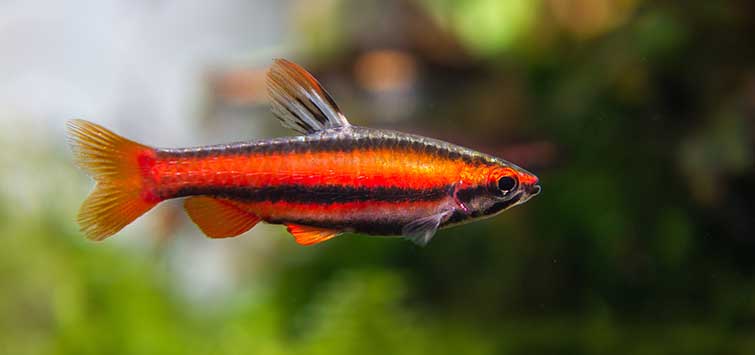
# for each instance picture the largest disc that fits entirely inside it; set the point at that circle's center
(530, 191)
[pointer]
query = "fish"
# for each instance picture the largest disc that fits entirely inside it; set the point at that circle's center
(331, 178)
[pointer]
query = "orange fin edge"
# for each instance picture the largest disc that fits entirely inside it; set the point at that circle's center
(306, 235)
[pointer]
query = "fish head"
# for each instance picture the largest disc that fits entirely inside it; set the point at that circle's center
(507, 186)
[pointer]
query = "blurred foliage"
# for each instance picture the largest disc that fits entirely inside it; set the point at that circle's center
(487, 27)
(641, 242)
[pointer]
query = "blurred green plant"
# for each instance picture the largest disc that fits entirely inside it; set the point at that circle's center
(486, 27)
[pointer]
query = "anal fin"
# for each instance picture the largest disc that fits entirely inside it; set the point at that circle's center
(306, 235)
(220, 218)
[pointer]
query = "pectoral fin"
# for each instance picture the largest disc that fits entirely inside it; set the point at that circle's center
(422, 230)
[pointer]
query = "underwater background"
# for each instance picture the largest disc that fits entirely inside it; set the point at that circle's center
(638, 117)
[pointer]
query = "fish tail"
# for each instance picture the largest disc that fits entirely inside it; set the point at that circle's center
(120, 167)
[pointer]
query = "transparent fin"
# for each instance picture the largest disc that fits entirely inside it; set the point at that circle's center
(299, 101)
(421, 231)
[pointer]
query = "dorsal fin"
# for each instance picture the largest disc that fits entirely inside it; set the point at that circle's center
(219, 218)
(299, 101)
(306, 235)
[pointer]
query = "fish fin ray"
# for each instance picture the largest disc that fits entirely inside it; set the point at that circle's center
(220, 218)
(299, 101)
(117, 165)
(306, 235)
(422, 230)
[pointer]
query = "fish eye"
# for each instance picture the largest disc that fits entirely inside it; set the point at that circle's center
(506, 184)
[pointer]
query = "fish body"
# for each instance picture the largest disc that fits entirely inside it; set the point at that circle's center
(335, 178)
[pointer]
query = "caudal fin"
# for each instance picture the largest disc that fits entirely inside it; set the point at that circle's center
(119, 167)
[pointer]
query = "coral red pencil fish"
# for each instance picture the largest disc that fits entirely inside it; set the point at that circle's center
(333, 178)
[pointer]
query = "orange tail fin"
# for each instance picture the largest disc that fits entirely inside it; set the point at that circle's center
(119, 167)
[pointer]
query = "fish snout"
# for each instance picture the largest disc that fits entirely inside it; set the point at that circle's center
(530, 184)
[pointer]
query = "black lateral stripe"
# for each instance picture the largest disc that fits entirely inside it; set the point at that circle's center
(459, 216)
(323, 194)
(468, 194)
(501, 205)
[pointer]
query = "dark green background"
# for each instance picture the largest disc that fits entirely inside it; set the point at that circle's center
(636, 115)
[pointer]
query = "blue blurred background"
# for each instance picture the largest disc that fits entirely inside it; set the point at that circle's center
(637, 116)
